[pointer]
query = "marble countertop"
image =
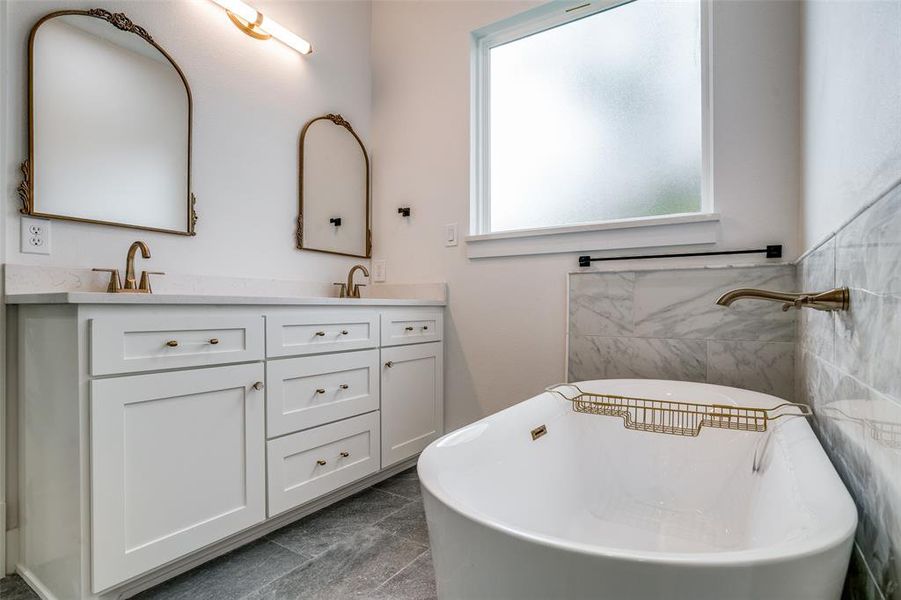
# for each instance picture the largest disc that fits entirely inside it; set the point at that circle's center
(159, 298)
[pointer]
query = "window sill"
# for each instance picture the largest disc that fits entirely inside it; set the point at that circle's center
(643, 232)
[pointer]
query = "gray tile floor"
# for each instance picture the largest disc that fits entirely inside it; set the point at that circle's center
(374, 544)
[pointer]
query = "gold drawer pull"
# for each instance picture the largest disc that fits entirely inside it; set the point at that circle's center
(343, 386)
(320, 391)
(320, 334)
(321, 462)
(214, 341)
(172, 343)
(345, 454)
(344, 332)
(389, 364)
(258, 386)
(408, 328)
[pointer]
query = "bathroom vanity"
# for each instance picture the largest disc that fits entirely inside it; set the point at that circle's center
(159, 431)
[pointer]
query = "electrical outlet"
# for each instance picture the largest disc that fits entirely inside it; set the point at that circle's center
(379, 269)
(450, 234)
(35, 236)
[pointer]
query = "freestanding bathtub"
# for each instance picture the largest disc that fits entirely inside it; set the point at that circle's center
(594, 510)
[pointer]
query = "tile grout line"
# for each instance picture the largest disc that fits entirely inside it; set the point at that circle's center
(392, 513)
(285, 574)
(401, 570)
(401, 537)
(394, 493)
(345, 537)
(291, 550)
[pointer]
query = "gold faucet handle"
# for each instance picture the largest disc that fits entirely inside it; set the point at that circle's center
(342, 291)
(357, 287)
(115, 284)
(144, 286)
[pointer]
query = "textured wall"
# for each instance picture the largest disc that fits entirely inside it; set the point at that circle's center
(664, 324)
(848, 370)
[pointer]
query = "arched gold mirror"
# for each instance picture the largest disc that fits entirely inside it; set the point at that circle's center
(109, 125)
(334, 214)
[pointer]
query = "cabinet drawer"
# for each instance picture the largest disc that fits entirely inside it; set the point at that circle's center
(411, 327)
(316, 331)
(309, 464)
(314, 390)
(121, 345)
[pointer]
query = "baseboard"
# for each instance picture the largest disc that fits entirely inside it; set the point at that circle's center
(34, 583)
(12, 551)
(3, 542)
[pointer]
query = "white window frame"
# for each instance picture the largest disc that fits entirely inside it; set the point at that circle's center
(640, 232)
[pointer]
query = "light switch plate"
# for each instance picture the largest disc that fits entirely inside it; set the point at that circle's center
(379, 269)
(35, 235)
(450, 234)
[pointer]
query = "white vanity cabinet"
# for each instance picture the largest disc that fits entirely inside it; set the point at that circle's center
(155, 435)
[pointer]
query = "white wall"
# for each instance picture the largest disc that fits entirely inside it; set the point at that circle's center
(851, 110)
(251, 99)
(506, 318)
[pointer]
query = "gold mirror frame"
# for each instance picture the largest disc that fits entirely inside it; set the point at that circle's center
(342, 122)
(26, 194)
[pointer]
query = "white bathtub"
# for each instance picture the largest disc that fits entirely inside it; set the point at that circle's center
(593, 510)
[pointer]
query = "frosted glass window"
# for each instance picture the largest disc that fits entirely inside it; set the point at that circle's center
(597, 119)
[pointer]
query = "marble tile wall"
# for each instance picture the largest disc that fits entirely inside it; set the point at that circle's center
(664, 324)
(849, 371)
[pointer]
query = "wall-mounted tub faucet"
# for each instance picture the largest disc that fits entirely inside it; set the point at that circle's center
(836, 299)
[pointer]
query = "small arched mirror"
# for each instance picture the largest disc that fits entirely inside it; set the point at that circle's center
(334, 189)
(109, 125)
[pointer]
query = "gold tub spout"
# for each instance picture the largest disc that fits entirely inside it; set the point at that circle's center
(835, 299)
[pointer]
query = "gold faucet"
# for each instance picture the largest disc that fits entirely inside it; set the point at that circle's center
(835, 299)
(131, 284)
(351, 289)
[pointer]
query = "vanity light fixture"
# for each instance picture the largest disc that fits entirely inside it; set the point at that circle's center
(253, 23)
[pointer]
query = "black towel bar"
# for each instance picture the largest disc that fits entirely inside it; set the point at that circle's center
(772, 251)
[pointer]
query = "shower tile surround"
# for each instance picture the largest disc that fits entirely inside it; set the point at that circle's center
(664, 324)
(848, 368)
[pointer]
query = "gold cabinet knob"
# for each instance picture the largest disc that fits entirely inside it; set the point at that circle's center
(172, 343)
(320, 391)
(345, 454)
(214, 341)
(409, 328)
(321, 462)
(389, 364)
(258, 386)
(343, 386)
(320, 334)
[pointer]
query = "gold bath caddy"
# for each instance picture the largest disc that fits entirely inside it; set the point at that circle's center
(676, 418)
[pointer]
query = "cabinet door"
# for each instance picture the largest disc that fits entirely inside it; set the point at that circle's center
(177, 462)
(412, 400)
